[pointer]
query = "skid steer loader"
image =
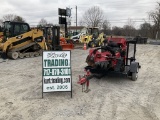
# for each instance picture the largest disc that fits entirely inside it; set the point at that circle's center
(20, 41)
(94, 37)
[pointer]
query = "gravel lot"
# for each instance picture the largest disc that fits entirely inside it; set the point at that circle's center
(110, 98)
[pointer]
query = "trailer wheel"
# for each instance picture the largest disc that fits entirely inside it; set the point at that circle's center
(134, 76)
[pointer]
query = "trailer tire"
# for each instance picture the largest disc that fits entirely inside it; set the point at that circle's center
(134, 76)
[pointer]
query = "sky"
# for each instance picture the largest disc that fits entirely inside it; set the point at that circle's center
(117, 12)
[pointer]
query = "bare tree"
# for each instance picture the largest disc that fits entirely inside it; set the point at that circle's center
(155, 16)
(81, 23)
(42, 22)
(93, 17)
(105, 26)
(1, 22)
(129, 29)
(12, 17)
(49, 24)
(9, 17)
(117, 30)
(145, 30)
(18, 19)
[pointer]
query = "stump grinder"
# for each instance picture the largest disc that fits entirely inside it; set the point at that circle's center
(111, 58)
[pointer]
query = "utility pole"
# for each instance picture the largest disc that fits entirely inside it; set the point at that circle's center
(157, 34)
(66, 30)
(76, 18)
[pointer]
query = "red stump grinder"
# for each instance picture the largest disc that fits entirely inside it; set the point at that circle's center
(111, 58)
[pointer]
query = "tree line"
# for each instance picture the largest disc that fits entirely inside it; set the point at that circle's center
(17, 18)
(11, 17)
(94, 17)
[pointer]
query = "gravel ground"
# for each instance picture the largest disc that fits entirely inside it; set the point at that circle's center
(111, 98)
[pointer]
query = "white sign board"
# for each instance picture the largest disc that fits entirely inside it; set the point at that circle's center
(56, 71)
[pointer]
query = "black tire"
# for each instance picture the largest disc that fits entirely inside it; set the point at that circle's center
(4, 55)
(134, 76)
(97, 42)
(89, 44)
(92, 45)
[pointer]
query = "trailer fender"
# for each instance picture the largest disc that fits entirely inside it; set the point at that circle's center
(134, 66)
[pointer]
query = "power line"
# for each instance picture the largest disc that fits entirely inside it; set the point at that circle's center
(116, 2)
(121, 6)
(121, 21)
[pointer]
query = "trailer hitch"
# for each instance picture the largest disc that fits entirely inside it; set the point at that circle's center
(89, 74)
(84, 81)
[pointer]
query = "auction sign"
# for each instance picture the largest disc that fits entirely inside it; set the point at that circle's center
(56, 73)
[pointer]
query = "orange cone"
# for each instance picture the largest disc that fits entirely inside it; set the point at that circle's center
(84, 47)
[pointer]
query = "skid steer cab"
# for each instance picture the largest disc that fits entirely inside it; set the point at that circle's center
(118, 56)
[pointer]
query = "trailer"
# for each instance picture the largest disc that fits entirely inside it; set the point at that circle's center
(115, 57)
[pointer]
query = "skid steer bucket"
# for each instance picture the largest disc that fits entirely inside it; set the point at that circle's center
(66, 44)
